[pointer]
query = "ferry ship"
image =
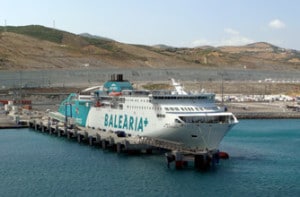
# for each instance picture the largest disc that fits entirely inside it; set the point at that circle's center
(192, 119)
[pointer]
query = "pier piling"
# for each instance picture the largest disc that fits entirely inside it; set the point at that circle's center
(42, 127)
(68, 134)
(98, 138)
(90, 140)
(103, 144)
(78, 138)
(35, 125)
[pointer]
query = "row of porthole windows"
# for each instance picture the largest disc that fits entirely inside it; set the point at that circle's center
(169, 108)
(184, 108)
(138, 100)
(144, 108)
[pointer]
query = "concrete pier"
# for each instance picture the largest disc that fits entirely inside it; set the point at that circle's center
(7, 122)
(108, 140)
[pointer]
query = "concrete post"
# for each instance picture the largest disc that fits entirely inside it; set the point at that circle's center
(58, 132)
(103, 143)
(68, 134)
(86, 135)
(49, 126)
(178, 160)
(35, 125)
(65, 130)
(91, 140)
(42, 127)
(119, 147)
(98, 138)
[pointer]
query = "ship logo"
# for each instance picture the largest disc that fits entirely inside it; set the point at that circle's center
(133, 123)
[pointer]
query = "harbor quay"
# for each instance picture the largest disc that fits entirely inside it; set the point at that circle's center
(181, 116)
(175, 152)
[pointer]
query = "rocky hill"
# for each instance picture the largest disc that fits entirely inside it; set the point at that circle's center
(38, 47)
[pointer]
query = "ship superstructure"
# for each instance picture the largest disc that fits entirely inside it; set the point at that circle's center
(191, 119)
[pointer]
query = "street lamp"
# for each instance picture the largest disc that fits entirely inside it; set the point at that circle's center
(87, 65)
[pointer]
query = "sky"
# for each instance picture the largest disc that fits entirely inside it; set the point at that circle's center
(177, 23)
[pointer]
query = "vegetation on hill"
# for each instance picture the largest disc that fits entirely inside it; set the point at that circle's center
(36, 31)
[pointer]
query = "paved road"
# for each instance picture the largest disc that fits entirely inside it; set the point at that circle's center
(61, 78)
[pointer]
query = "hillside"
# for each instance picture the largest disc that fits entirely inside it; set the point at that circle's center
(38, 47)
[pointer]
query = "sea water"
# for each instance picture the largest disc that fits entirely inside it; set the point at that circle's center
(264, 161)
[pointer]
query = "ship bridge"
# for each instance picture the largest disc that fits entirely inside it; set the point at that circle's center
(212, 118)
(169, 95)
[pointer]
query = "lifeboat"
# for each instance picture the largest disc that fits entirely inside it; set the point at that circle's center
(115, 94)
(223, 155)
(98, 104)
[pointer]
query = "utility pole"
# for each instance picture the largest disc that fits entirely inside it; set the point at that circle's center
(20, 90)
(222, 89)
(5, 25)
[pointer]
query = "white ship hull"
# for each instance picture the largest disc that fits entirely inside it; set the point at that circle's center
(197, 135)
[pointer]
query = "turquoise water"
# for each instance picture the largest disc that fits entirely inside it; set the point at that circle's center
(264, 161)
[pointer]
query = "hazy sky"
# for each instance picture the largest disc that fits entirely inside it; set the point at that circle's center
(179, 23)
